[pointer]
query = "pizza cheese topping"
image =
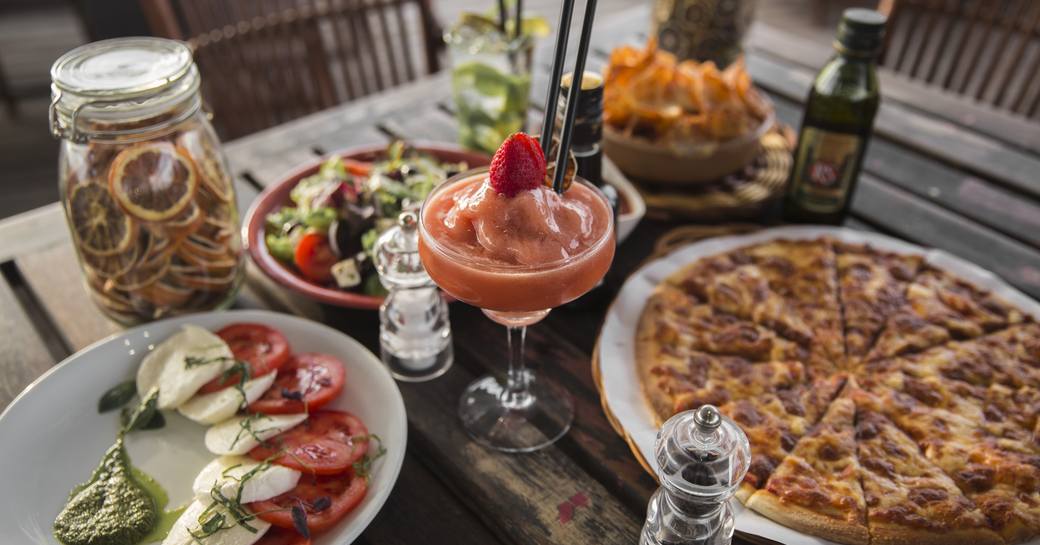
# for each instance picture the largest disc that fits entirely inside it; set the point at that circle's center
(885, 400)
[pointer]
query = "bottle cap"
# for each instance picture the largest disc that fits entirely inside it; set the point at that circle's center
(861, 30)
(588, 120)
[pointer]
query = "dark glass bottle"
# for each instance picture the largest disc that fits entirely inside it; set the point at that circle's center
(838, 121)
(588, 131)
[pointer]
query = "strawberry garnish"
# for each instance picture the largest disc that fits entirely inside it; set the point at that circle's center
(518, 165)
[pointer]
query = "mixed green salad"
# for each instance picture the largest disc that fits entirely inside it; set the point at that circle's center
(328, 232)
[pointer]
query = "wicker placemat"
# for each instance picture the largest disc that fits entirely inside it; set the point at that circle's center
(742, 194)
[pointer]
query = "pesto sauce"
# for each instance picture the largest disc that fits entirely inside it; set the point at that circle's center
(110, 509)
(119, 505)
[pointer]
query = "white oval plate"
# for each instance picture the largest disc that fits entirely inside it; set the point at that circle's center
(52, 437)
(621, 387)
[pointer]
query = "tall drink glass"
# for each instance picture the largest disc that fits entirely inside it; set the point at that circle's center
(522, 412)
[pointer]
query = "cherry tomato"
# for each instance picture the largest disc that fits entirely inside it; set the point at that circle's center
(327, 443)
(358, 168)
(265, 349)
(314, 258)
(325, 499)
(281, 536)
(306, 383)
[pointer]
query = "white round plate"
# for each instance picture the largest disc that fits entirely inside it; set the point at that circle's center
(623, 393)
(52, 437)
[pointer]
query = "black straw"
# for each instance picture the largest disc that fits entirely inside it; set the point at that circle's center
(572, 96)
(518, 29)
(554, 80)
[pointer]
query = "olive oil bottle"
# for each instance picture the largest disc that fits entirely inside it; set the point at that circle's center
(838, 121)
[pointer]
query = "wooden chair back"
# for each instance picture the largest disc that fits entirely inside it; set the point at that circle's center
(265, 62)
(987, 50)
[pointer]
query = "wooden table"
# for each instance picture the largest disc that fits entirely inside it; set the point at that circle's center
(967, 183)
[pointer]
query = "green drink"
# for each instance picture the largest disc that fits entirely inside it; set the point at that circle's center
(839, 119)
(491, 81)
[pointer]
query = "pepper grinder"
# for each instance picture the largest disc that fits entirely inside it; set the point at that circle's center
(414, 331)
(702, 458)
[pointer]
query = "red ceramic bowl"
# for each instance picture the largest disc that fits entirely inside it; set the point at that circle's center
(277, 195)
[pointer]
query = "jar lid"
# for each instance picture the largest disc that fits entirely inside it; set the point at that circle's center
(122, 67)
(121, 79)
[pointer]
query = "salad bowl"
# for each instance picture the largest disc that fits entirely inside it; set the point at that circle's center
(279, 195)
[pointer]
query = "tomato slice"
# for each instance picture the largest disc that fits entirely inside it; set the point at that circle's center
(281, 536)
(314, 258)
(343, 492)
(264, 348)
(328, 442)
(306, 383)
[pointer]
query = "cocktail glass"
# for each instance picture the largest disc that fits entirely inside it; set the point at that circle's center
(521, 412)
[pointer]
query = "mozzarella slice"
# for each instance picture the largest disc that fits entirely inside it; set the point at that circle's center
(234, 534)
(225, 474)
(219, 406)
(167, 366)
(240, 434)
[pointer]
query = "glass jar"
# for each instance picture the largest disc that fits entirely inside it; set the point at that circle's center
(143, 180)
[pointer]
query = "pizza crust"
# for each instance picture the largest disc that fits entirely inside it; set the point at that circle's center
(646, 358)
(807, 520)
(896, 534)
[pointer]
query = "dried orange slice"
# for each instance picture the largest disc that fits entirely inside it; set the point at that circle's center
(214, 176)
(153, 181)
(107, 266)
(100, 227)
(144, 274)
(163, 293)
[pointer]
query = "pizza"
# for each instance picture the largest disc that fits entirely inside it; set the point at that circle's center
(886, 400)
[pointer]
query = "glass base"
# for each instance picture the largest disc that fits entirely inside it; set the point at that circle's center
(523, 422)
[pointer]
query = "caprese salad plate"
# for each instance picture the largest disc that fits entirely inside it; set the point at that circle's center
(229, 428)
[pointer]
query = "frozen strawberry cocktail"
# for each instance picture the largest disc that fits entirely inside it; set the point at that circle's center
(502, 240)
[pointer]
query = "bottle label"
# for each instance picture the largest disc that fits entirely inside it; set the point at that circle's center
(826, 165)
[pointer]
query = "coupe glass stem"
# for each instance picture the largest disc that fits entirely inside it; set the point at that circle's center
(517, 392)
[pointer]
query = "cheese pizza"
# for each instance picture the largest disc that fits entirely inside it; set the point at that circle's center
(885, 400)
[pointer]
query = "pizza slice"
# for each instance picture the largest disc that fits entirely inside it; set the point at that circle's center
(1010, 357)
(804, 273)
(743, 291)
(816, 488)
(1000, 475)
(773, 422)
(909, 499)
(872, 285)
(676, 379)
(940, 307)
(1000, 410)
(674, 316)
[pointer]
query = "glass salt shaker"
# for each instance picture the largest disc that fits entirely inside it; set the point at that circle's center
(702, 458)
(414, 331)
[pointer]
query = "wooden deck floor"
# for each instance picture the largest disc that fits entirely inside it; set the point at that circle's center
(31, 40)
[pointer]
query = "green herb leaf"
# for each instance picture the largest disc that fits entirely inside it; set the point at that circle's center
(363, 467)
(196, 361)
(299, 519)
(320, 504)
(142, 415)
(157, 421)
(213, 524)
(117, 396)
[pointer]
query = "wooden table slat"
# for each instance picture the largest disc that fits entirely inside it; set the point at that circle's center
(1010, 129)
(23, 354)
